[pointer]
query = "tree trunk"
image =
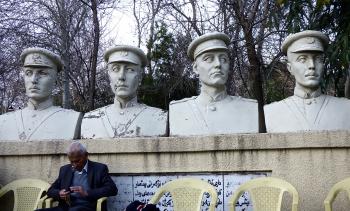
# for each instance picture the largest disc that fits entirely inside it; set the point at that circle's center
(255, 79)
(347, 85)
(65, 46)
(94, 54)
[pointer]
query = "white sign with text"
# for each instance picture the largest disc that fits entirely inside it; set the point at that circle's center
(142, 188)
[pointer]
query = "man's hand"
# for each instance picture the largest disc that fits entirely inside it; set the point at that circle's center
(64, 194)
(79, 189)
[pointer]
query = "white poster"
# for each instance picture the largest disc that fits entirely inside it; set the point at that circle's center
(142, 188)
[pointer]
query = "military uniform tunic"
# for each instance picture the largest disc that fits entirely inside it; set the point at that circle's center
(302, 112)
(203, 115)
(50, 122)
(135, 120)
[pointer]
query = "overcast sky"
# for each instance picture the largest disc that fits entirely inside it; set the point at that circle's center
(121, 24)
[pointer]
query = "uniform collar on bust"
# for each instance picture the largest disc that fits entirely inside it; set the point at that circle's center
(206, 98)
(129, 104)
(307, 95)
(41, 106)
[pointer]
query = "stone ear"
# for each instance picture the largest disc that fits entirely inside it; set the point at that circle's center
(55, 75)
(141, 74)
(107, 68)
(289, 68)
(194, 67)
(21, 73)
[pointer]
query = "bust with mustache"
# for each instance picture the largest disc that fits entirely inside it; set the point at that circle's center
(308, 109)
(213, 111)
(126, 117)
(40, 120)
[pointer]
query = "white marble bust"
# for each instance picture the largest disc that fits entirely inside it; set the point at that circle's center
(213, 111)
(308, 109)
(126, 117)
(40, 120)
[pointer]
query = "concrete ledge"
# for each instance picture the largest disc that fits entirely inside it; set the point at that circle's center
(334, 139)
(312, 162)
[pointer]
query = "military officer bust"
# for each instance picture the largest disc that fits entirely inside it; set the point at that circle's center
(40, 120)
(126, 117)
(213, 111)
(307, 109)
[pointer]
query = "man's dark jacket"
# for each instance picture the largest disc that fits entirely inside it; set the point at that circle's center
(101, 184)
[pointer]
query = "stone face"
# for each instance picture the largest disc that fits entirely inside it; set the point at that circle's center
(307, 109)
(40, 120)
(126, 117)
(213, 111)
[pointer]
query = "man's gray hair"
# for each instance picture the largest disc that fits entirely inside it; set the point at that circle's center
(76, 147)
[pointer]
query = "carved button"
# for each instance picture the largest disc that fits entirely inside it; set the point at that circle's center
(121, 113)
(308, 102)
(212, 108)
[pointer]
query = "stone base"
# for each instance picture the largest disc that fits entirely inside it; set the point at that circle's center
(311, 162)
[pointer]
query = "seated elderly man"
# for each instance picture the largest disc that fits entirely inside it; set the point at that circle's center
(81, 183)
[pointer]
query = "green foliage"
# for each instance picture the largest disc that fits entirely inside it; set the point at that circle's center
(169, 81)
(272, 92)
(333, 18)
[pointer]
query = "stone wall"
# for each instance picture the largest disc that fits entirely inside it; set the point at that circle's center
(312, 162)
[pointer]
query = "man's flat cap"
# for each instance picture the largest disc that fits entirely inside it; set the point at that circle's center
(308, 40)
(126, 53)
(207, 42)
(40, 57)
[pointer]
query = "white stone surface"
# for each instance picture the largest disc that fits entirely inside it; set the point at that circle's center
(298, 114)
(308, 109)
(144, 187)
(40, 120)
(48, 124)
(126, 117)
(213, 111)
(229, 115)
(134, 120)
(305, 160)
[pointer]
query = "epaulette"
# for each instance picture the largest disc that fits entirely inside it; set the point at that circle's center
(245, 99)
(182, 100)
(97, 113)
(249, 100)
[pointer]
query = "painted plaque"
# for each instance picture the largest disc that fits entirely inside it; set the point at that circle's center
(142, 188)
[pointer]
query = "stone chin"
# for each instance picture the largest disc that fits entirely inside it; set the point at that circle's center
(124, 94)
(310, 83)
(215, 81)
(38, 94)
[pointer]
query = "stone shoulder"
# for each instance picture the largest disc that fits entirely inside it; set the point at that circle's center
(182, 100)
(248, 100)
(97, 113)
(338, 99)
(277, 103)
(8, 114)
(330, 98)
(69, 111)
(155, 110)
